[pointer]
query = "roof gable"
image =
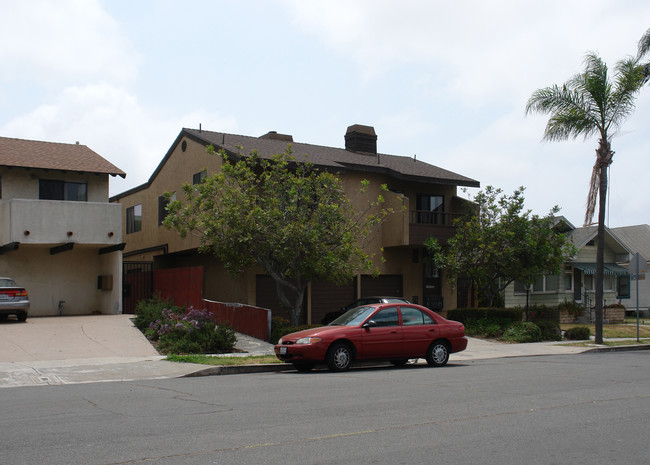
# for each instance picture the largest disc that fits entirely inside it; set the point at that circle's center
(637, 238)
(21, 153)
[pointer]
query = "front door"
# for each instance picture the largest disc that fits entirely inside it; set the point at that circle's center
(384, 338)
(432, 287)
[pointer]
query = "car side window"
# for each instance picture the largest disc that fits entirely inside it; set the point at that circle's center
(386, 317)
(413, 316)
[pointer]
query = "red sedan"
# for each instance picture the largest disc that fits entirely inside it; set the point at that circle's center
(393, 332)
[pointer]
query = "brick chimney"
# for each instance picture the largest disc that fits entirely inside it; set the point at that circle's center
(275, 136)
(360, 138)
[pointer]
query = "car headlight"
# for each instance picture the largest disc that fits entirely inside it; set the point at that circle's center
(308, 340)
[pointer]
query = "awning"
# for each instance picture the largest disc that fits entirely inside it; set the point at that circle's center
(609, 268)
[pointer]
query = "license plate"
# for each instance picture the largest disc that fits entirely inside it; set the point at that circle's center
(283, 351)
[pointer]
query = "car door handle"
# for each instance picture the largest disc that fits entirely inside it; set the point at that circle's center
(432, 330)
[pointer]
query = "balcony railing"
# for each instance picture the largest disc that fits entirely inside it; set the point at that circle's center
(425, 224)
(55, 222)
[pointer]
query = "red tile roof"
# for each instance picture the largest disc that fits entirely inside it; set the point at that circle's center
(54, 156)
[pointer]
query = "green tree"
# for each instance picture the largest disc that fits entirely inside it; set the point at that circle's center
(290, 218)
(592, 103)
(500, 242)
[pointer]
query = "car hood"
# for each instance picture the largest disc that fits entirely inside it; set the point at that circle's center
(312, 332)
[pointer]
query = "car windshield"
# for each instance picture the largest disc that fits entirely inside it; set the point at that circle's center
(6, 282)
(353, 317)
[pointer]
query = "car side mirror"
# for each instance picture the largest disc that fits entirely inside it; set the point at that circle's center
(369, 324)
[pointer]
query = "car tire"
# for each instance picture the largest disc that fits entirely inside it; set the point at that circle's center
(21, 316)
(399, 363)
(438, 354)
(4, 317)
(339, 357)
(303, 367)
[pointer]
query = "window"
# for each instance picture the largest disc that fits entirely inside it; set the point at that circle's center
(414, 317)
(162, 207)
(623, 287)
(386, 317)
(52, 189)
(609, 282)
(520, 287)
(545, 283)
(568, 280)
(0, 186)
(430, 209)
(134, 219)
(199, 177)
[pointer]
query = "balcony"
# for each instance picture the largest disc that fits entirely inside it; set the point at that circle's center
(425, 224)
(415, 226)
(49, 222)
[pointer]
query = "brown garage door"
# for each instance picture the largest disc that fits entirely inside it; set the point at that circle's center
(327, 297)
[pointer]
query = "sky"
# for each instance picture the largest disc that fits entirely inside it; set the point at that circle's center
(446, 82)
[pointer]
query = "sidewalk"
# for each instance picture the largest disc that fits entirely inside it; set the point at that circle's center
(45, 351)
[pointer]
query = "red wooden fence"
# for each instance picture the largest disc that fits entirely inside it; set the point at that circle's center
(184, 286)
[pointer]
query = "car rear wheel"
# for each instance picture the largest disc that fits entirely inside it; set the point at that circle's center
(438, 354)
(339, 357)
(21, 316)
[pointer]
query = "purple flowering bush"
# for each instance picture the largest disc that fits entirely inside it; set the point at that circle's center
(191, 332)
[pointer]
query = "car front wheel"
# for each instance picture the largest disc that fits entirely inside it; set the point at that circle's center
(438, 354)
(339, 357)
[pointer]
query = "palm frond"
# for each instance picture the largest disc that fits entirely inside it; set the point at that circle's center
(644, 45)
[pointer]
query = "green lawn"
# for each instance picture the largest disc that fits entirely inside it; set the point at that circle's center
(218, 360)
(615, 331)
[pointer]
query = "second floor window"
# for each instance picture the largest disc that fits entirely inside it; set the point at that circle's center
(54, 189)
(430, 209)
(134, 219)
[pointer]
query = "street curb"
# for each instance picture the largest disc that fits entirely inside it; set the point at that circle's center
(239, 369)
(619, 348)
(278, 367)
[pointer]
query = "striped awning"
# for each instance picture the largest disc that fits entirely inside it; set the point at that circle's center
(609, 268)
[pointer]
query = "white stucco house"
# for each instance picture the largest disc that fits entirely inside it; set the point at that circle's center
(60, 238)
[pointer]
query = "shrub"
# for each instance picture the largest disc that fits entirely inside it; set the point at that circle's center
(485, 322)
(149, 310)
(523, 332)
(578, 333)
(571, 307)
(550, 330)
(281, 326)
(542, 312)
(193, 332)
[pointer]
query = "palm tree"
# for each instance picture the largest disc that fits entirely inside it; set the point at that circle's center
(644, 49)
(590, 104)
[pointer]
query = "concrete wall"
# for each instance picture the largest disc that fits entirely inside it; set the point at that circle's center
(57, 222)
(70, 276)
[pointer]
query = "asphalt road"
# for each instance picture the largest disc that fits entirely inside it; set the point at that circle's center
(590, 408)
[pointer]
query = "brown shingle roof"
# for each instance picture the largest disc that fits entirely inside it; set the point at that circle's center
(338, 159)
(54, 156)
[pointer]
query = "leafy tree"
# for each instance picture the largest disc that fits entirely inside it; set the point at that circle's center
(592, 103)
(499, 243)
(290, 218)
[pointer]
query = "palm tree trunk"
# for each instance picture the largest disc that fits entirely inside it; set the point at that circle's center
(604, 160)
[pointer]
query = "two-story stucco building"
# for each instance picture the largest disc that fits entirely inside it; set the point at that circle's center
(424, 198)
(59, 236)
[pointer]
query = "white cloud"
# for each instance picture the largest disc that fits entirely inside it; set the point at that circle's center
(111, 122)
(45, 41)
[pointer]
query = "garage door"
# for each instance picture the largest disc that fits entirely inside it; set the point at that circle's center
(383, 285)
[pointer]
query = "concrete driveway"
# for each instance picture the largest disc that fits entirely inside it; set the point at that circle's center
(72, 337)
